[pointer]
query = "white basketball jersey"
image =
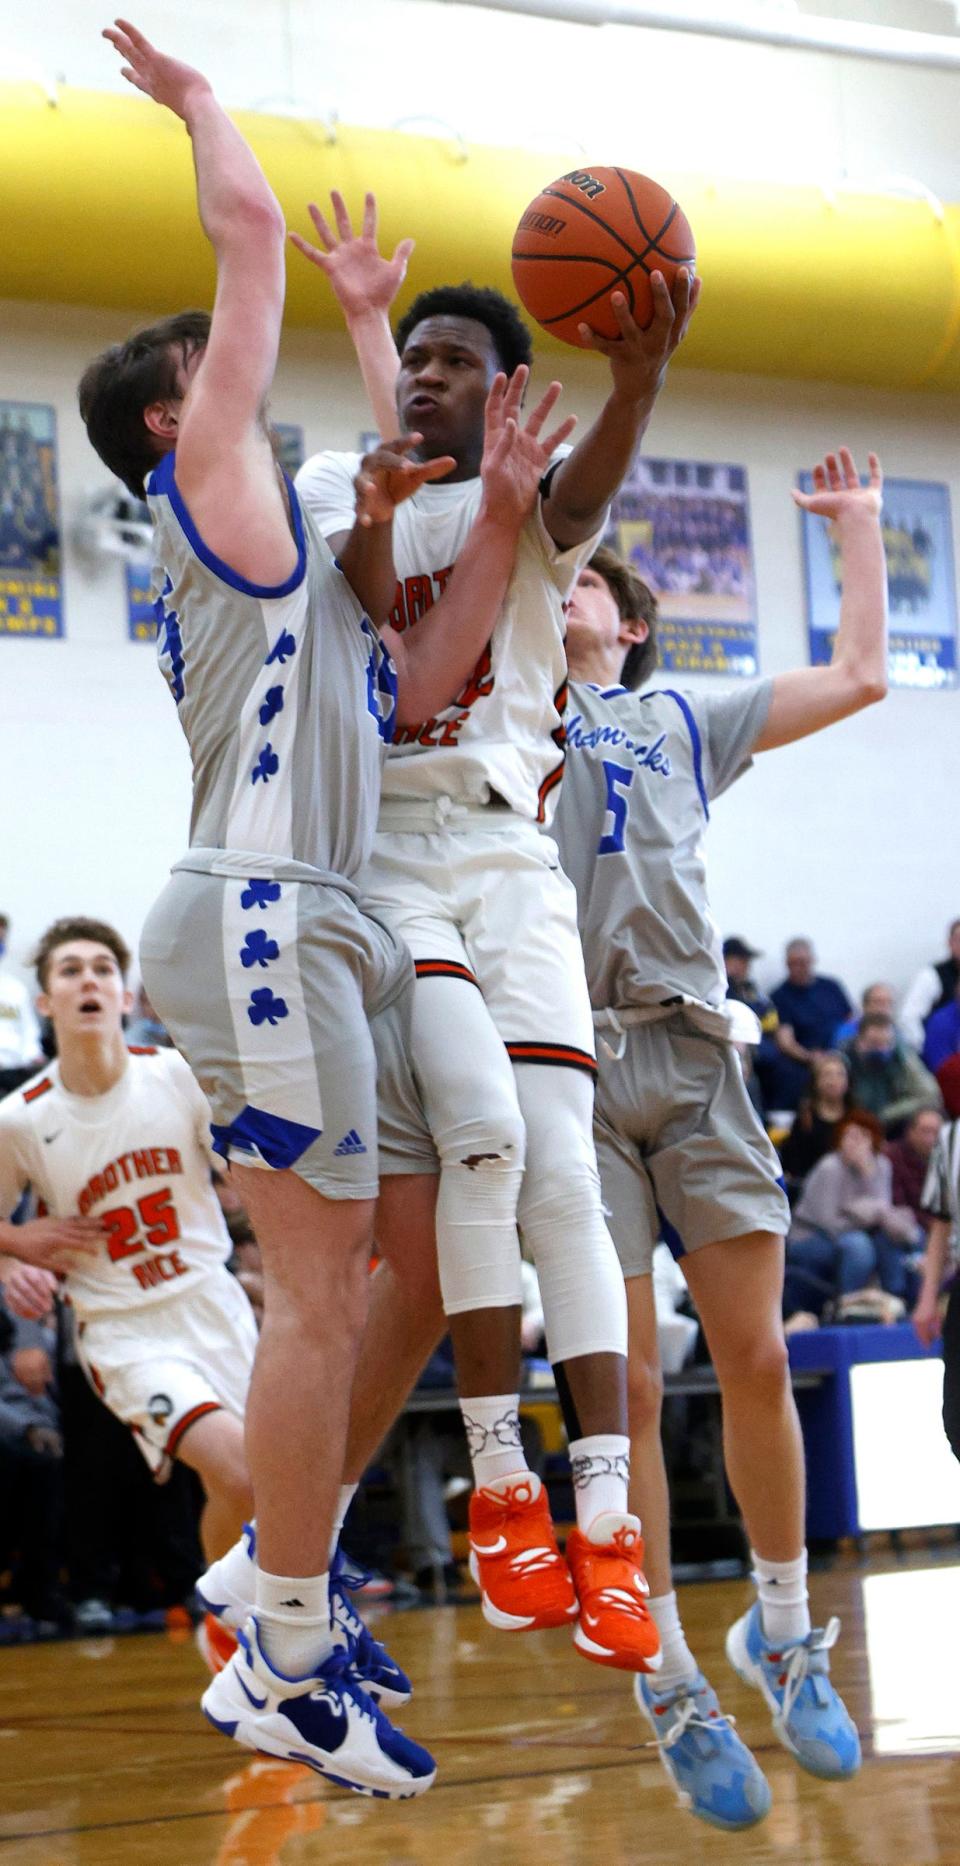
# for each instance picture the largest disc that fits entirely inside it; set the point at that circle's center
(138, 1158)
(504, 731)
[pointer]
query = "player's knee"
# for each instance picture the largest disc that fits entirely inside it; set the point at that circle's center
(644, 1393)
(758, 1367)
(490, 1144)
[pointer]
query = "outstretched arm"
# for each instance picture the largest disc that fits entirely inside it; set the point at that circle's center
(812, 697)
(366, 283)
(584, 484)
(225, 468)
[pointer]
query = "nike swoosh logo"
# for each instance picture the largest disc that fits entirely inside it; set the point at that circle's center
(258, 1703)
(492, 1548)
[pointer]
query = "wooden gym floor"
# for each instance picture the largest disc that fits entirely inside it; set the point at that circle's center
(105, 1761)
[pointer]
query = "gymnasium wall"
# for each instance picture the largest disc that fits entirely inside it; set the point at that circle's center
(851, 837)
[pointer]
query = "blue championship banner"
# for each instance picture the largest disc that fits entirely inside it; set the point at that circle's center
(918, 540)
(684, 526)
(141, 621)
(31, 590)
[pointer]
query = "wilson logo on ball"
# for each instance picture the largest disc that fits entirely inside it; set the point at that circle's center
(589, 234)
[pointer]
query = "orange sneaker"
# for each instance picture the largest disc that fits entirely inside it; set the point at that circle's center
(615, 1626)
(514, 1558)
(215, 1643)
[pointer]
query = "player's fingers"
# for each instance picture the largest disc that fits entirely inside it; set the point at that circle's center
(621, 310)
(401, 257)
(876, 471)
(340, 214)
(493, 407)
(322, 225)
(849, 467)
(369, 216)
(820, 477)
(516, 389)
(552, 441)
(435, 469)
(664, 310)
(134, 34)
(546, 404)
(310, 252)
(834, 476)
(592, 340)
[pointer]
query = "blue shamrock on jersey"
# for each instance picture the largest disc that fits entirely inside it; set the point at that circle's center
(284, 646)
(259, 894)
(272, 705)
(258, 949)
(264, 1008)
(381, 683)
(267, 765)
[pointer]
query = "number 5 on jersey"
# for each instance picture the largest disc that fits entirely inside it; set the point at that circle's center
(619, 779)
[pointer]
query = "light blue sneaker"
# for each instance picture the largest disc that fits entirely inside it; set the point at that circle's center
(714, 1774)
(809, 1717)
(326, 1721)
(380, 1675)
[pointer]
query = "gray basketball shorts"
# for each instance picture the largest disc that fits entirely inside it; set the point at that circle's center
(681, 1151)
(267, 986)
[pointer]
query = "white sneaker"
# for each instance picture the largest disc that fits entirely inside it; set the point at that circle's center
(228, 1589)
(326, 1721)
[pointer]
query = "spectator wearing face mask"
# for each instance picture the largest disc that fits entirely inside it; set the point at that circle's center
(886, 1076)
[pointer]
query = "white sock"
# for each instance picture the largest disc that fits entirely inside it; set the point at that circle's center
(344, 1500)
(600, 1468)
(784, 1602)
(492, 1425)
(679, 1665)
(293, 1612)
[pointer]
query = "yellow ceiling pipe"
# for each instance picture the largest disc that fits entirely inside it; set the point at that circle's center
(99, 210)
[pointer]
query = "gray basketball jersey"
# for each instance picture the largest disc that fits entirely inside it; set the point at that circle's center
(286, 695)
(640, 773)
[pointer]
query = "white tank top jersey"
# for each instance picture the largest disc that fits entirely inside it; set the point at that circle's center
(504, 732)
(138, 1158)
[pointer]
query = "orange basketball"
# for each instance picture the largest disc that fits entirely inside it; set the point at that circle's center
(593, 232)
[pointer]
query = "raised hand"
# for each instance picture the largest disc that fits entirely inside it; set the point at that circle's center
(638, 357)
(837, 489)
(363, 278)
(515, 458)
(386, 478)
(164, 79)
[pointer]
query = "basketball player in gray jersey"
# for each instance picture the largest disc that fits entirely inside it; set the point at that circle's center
(257, 954)
(682, 1154)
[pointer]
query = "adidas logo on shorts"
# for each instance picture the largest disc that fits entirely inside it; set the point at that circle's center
(351, 1143)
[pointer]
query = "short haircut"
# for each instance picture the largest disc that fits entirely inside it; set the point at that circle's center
(77, 926)
(635, 601)
(859, 1117)
(927, 1107)
(120, 384)
(511, 338)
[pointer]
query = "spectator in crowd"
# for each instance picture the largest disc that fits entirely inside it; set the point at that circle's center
(941, 1198)
(846, 1227)
(934, 986)
(910, 1159)
(737, 959)
(886, 1076)
(942, 1035)
(31, 1471)
(145, 1028)
(20, 1052)
(810, 1006)
(877, 998)
(948, 1081)
(814, 1131)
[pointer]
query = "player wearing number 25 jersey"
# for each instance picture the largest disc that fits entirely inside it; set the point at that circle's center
(165, 1333)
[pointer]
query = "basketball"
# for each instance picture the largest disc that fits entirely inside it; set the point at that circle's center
(593, 232)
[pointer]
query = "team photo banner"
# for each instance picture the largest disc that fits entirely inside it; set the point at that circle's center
(31, 589)
(918, 539)
(684, 526)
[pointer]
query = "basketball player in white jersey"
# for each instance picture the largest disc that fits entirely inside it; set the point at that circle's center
(502, 1033)
(258, 956)
(116, 1145)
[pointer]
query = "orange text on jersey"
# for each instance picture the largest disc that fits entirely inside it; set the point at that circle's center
(143, 1163)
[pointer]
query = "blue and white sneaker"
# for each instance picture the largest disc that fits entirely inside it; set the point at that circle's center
(228, 1589)
(379, 1674)
(327, 1722)
(714, 1774)
(809, 1717)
